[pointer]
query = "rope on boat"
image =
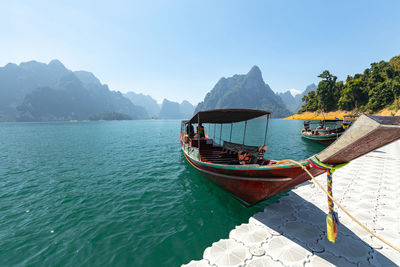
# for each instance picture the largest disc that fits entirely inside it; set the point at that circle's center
(338, 204)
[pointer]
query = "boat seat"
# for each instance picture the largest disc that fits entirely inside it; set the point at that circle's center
(257, 151)
(235, 148)
(260, 155)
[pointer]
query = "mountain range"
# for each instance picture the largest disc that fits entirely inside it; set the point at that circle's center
(34, 91)
(174, 110)
(145, 101)
(294, 102)
(244, 91)
(167, 110)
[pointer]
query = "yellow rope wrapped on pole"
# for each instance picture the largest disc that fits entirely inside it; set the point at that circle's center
(337, 203)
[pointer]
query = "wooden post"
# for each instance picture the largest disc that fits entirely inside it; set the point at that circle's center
(230, 137)
(266, 130)
(244, 135)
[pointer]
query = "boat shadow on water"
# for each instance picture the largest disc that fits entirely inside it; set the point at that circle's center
(204, 190)
(312, 147)
(196, 182)
(304, 223)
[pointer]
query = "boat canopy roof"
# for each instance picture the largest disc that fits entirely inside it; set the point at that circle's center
(331, 120)
(351, 116)
(226, 115)
(321, 121)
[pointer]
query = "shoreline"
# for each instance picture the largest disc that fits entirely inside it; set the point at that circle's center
(317, 115)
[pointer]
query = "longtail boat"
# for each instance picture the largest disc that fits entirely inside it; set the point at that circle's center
(243, 171)
(326, 133)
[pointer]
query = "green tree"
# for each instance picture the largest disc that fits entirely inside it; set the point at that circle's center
(374, 89)
(310, 102)
(380, 96)
(353, 95)
(327, 91)
(396, 93)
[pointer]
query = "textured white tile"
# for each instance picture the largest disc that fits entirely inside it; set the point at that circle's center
(326, 260)
(385, 257)
(254, 221)
(264, 262)
(250, 234)
(389, 236)
(290, 253)
(271, 219)
(201, 263)
(302, 231)
(352, 249)
(227, 252)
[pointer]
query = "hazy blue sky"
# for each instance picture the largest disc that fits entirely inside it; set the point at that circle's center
(179, 49)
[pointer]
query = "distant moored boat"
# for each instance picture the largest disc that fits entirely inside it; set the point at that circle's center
(328, 130)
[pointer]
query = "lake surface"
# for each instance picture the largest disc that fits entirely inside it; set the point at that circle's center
(118, 193)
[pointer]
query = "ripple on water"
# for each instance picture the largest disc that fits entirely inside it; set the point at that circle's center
(113, 193)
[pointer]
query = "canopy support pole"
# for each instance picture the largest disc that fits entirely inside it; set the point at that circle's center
(244, 135)
(220, 134)
(230, 137)
(266, 131)
(215, 126)
(198, 135)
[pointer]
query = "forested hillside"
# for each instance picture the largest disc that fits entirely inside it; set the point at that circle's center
(376, 88)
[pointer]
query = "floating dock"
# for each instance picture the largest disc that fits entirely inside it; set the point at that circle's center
(292, 231)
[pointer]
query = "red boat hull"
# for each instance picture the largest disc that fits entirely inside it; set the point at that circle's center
(251, 184)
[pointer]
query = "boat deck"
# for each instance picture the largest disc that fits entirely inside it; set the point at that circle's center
(214, 154)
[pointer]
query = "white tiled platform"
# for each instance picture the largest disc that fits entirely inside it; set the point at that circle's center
(292, 232)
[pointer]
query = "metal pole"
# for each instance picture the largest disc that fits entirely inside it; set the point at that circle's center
(215, 126)
(220, 133)
(198, 135)
(244, 135)
(230, 137)
(266, 130)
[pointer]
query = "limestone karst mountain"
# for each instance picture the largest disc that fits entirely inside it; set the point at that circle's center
(294, 103)
(34, 91)
(186, 109)
(146, 101)
(174, 110)
(244, 91)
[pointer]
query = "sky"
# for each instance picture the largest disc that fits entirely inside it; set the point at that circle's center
(180, 49)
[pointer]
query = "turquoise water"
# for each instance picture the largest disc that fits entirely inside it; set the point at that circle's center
(117, 193)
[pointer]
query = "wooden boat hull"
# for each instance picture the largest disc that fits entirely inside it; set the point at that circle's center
(251, 184)
(323, 139)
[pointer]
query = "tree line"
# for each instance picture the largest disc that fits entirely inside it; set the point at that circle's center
(378, 87)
